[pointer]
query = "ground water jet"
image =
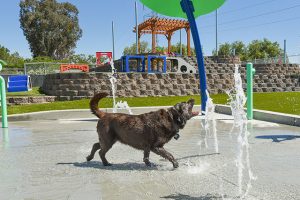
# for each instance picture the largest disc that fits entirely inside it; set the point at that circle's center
(237, 101)
(113, 81)
(210, 121)
(210, 128)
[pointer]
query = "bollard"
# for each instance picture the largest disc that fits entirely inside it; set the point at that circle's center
(250, 74)
(3, 98)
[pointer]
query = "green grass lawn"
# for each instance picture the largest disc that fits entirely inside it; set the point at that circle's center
(284, 102)
(34, 92)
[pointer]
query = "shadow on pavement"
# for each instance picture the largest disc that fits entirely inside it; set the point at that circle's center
(187, 197)
(195, 156)
(278, 138)
(118, 166)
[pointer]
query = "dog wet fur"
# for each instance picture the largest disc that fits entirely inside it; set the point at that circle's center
(148, 132)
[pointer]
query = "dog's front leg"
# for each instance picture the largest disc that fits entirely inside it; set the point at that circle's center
(163, 153)
(146, 157)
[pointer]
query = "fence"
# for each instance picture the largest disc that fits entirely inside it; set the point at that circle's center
(289, 59)
(43, 68)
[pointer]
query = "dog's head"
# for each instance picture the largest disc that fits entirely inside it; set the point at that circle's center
(182, 112)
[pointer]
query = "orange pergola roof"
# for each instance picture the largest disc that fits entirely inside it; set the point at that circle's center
(161, 25)
(164, 26)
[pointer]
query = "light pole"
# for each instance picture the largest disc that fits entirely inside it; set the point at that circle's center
(136, 29)
(217, 32)
(113, 38)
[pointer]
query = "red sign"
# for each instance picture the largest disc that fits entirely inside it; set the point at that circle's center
(103, 57)
(66, 67)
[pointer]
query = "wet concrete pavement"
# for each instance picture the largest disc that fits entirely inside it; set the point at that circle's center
(45, 159)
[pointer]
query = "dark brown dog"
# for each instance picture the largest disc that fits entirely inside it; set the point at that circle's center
(147, 132)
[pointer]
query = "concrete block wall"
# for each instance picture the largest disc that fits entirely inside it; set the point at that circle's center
(73, 86)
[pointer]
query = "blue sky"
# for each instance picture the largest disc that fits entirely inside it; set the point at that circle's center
(238, 20)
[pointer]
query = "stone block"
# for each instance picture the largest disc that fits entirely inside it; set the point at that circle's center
(175, 92)
(64, 98)
(297, 89)
(85, 93)
(121, 93)
(36, 100)
(71, 93)
(18, 100)
(185, 76)
(164, 92)
(79, 97)
(153, 81)
(257, 90)
(189, 92)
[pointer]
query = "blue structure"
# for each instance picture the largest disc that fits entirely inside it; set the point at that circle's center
(141, 61)
(151, 57)
(20, 83)
(188, 7)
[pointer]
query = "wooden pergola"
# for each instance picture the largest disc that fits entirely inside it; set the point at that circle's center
(165, 27)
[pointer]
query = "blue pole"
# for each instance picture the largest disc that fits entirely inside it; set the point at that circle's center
(188, 8)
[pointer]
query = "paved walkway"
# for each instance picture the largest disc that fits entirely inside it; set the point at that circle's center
(45, 159)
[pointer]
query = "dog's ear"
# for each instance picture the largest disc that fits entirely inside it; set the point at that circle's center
(191, 101)
(178, 107)
(163, 112)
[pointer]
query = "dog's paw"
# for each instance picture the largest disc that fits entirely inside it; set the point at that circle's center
(89, 158)
(175, 165)
(107, 164)
(149, 164)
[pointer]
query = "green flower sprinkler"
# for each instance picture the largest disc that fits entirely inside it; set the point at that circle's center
(3, 98)
(189, 9)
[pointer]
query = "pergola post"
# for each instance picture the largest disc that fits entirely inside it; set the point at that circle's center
(153, 31)
(153, 41)
(139, 42)
(169, 38)
(188, 35)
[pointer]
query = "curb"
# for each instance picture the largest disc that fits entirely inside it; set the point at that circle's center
(55, 114)
(268, 116)
(291, 120)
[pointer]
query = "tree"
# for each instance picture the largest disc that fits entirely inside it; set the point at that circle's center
(51, 28)
(224, 50)
(176, 49)
(259, 49)
(13, 60)
(131, 50)
(238, 48)
(83, 59)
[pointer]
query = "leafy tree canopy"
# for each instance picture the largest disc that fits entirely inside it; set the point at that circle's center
(12, 59)
(131, 50)
(257, 49)
(51, 28)
(263, 49)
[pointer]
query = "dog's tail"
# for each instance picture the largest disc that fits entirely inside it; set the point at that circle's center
(94, 104)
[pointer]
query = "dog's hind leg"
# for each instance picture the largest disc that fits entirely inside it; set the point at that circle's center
(104, 149)
(163, 153)
(95, 148)
(146, 157)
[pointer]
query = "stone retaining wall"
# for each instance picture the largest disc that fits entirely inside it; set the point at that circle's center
(73, 86)
(30, 100)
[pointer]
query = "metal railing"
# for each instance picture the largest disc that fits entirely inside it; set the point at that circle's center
(43, 68)
(289, 59)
